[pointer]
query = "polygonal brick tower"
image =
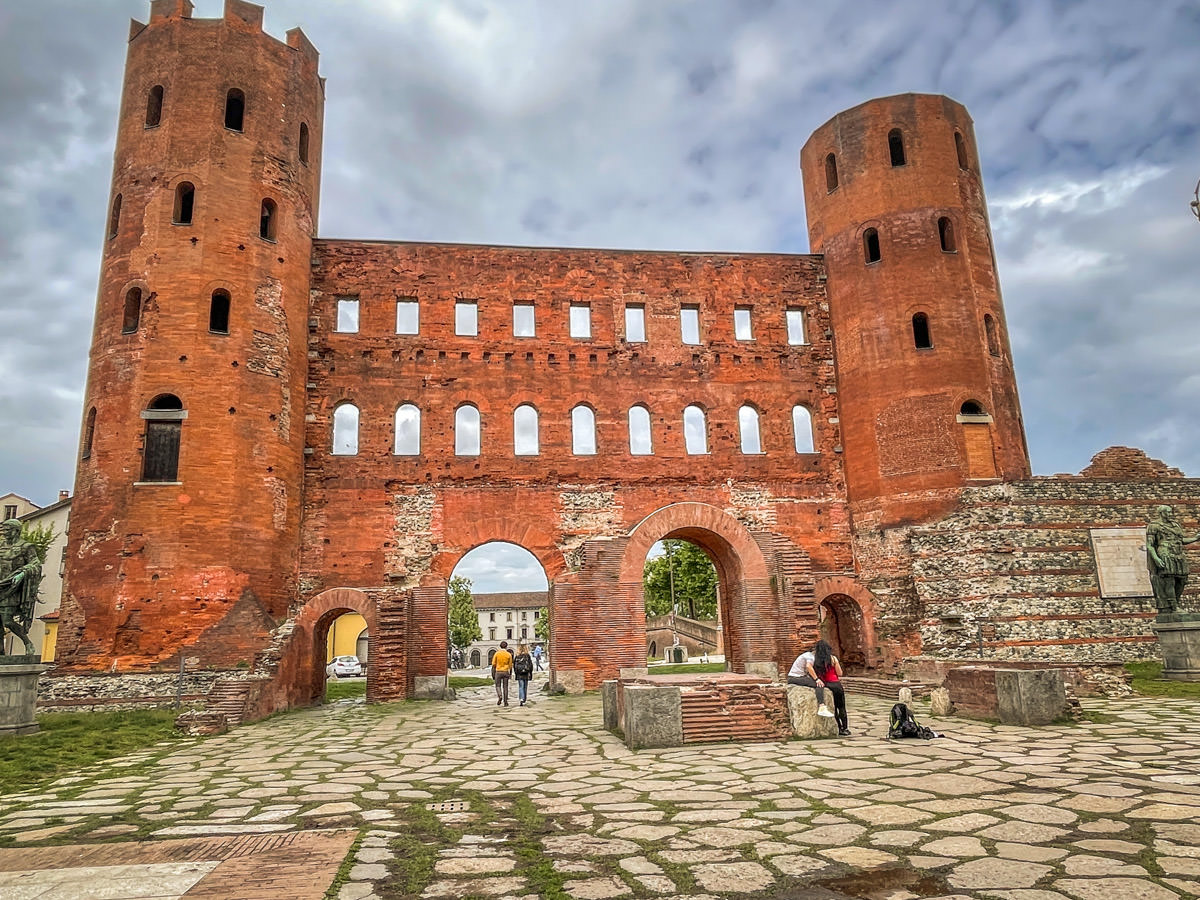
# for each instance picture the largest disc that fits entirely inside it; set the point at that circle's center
(926, 392)
(185, 523)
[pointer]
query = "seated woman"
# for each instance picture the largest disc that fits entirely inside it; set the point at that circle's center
(819, 669)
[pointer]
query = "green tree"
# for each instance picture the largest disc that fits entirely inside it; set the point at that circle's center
(541, 626)
(41, 537)
(464, 620)
(695, 582)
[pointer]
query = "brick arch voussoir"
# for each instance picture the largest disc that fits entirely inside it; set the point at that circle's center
(337, 599)
(526, 535)
(693, 518)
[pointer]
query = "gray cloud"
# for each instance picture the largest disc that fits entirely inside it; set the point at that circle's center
(667, 125)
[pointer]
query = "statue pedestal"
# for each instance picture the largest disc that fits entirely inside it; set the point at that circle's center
(1179, 640)
(18, 693)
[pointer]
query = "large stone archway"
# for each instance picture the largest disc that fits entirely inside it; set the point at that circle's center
(598, 613)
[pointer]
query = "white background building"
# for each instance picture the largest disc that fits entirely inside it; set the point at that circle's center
(505, 617)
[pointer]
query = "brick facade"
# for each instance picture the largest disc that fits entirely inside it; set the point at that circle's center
(266, 533)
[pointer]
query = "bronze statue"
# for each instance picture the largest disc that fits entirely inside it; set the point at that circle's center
(20, 576)
(1166, 559)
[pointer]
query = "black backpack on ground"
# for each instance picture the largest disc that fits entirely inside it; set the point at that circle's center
(903, 725)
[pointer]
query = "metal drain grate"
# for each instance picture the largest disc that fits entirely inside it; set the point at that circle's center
(449, 806)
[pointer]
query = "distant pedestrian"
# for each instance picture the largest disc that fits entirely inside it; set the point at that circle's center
(537, 656)
(502, 663)
(522, 671)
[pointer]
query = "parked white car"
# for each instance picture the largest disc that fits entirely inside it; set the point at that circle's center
(344, 667)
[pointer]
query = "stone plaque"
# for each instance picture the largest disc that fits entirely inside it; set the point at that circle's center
(1121, 562)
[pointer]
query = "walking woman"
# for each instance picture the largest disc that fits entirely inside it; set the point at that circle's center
(523, 671)
(819, 669)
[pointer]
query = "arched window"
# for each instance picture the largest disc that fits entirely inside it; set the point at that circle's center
(992, 333)
(748, 426)
(154, 106)
(89, 433)
(114, 217)
(132, 316)
(185, 203)
(583, 431)
(831, 178)
(922, 339)
(218, 312)
(235, 109)
(972, 408)
(525, 431)
(896, 146)
(160, 451)
(871, 245)
(304, 143)
(960, 147)
(946, 234)
(640, 442)
(695, 431)
(345, 430)
(802, 430)
(408, 431)
(467, 431)
(266, 220)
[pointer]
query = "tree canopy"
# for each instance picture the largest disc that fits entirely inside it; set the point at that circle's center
(464, 620)
(695, 582)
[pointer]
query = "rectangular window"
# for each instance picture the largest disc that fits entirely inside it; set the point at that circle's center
(347, 315)
(689, 324)
(581, 320)
(508, 618)
(523, 320)
(408, 317)
(524, 615)
(491, 634)
(161, 458)
(795, 326)
(10, 512)
(635, 324)
(524, 631)
(508, 632)
(741, 324)
(491, 617)
(466, 318)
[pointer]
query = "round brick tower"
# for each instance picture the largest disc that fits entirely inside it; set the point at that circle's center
(926, 392)
(185, 522)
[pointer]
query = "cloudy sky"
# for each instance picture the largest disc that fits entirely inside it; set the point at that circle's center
(666, 124)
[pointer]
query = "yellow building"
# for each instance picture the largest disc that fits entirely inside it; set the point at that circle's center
(347, 637)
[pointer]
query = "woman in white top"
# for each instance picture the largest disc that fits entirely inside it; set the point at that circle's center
(819, 669)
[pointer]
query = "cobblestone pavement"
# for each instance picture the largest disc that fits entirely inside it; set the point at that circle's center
(467, 799)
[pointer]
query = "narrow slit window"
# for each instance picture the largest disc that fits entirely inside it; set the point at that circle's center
(896, 147)
(347, 315)
(218, 313)
(303, 145)
(523, 320)
(466, 318)
(525, 431)
(114, 217)
(154, 103)
(922, 339)
(266, 220)
(89, 433)
(992, 333)
(345, 430)
(640, 442)
(946, 234)
(635, 324)
(795, 326)
(583, 431)
(580, 321)
(160, 452)
(748, 426)
(408, 317)
(408, 431)
(695, 431)
(235, 109)
(185, 203)
(467, 431)
(831, 176)
(960, 147)
(689, 324)
(132, 316)
(871, 245)
(802, 429)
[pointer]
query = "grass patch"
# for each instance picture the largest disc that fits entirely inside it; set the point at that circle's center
(538, 869)
(1148, 680)
(344, 690)
(72, 741)
(1096, 717)
(411, 870)
(468, 681)
(687, 668)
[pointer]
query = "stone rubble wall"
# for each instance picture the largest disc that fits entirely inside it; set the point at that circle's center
(90, 693)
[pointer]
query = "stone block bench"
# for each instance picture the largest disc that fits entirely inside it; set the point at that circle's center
(1009, 696)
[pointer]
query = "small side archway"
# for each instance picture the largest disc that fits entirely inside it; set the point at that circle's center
(311, 635)
(846, 618)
